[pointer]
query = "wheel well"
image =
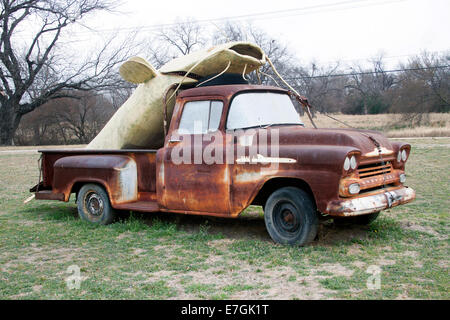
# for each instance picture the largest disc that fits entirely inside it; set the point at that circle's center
(77, 186)
(276, 183)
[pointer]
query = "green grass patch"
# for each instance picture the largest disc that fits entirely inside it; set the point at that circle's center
(162, 256)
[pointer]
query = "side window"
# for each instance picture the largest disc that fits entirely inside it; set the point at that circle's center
(200, 117)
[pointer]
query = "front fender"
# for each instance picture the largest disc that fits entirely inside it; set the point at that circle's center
(319, 166)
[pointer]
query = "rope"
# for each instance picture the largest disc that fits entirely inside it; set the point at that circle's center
(281, 78)
(185, 76)
(268, 75)
(218, 75)
(243, 73)
(380, 153)
(327, 115)
(258, 76)
(299, 98)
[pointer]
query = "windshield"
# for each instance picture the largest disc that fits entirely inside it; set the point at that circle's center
(259, 109)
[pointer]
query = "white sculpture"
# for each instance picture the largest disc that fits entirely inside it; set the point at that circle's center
(139, 122)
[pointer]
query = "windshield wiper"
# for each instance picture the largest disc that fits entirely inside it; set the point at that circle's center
(281, 124)
(264, 126)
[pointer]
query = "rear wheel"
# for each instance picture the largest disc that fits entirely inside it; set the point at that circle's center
(290, 216)
(94, 205)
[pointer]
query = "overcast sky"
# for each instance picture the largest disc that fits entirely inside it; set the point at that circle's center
(321, 30)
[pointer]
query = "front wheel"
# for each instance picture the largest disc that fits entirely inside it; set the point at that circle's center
(290, 216)
(94, 206)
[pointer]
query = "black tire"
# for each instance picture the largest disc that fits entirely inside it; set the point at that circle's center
(94, 205)
(360, 220)
(291, 217)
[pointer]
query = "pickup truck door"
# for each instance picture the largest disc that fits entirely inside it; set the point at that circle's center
(196, 176)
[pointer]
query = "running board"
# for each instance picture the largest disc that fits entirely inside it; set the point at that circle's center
(140, 206)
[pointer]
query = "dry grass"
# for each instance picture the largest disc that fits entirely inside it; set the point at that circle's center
(393, 125)
(420, 132)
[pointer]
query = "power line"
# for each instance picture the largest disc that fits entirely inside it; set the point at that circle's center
(366, 72)
(341, 5)
(367, 59)
(264, 15)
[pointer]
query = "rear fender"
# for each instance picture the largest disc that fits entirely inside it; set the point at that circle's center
(116, 173)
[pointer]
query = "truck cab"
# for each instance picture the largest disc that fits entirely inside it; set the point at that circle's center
(232, 146)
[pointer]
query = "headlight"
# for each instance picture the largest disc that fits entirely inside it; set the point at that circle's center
(354, 188)
(350, 162)
(353, 162)
(402, 178)
(347, 164)
(404, 156)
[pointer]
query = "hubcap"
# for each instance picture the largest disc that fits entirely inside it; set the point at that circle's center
(94, 204)
(285, 218)
(288, 218)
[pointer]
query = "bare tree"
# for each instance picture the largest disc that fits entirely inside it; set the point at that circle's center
(422, 88)
(317, 84)
(66, 120)
(274, 49)
(84, 117)
(33, 73)
(428, 69)
(40, 127)
(184, 36)
(369, 87)
(179, 39)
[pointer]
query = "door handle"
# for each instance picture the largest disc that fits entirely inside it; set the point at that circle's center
(172, 140)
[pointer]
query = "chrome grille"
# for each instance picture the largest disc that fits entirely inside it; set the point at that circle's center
(374, 169)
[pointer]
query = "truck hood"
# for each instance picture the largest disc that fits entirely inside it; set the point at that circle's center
(362, 140)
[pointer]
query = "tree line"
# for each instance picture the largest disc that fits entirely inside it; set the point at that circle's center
(47, 98)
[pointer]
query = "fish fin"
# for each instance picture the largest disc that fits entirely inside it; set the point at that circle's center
(137, 70)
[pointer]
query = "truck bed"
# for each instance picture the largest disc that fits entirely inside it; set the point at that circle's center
(96, 166)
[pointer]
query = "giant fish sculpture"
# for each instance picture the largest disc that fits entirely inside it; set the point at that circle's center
(139, 122)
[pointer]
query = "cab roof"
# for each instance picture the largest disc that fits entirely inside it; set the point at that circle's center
(227, 90)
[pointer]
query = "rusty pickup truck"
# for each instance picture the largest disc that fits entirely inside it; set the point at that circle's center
(232, 146)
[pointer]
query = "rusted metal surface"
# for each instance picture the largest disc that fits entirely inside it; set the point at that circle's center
(117, 173)
(127, 175)
(49, 195)
(226, 91)
(149, 180)
(366, 204)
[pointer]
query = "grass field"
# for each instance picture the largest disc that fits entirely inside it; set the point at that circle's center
(393, 125)
(169, 256)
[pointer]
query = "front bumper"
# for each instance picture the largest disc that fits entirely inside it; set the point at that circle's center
(371, 203)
